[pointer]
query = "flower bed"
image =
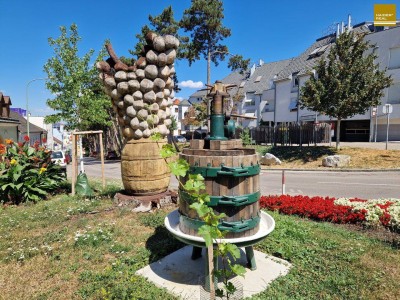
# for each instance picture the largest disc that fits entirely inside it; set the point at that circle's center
(26, 173)
(385, 212)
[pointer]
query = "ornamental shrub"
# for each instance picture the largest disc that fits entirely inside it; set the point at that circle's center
(246, 137)
(26, 173)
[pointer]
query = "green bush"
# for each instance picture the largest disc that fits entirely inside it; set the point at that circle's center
(245, 136)
(26, 173)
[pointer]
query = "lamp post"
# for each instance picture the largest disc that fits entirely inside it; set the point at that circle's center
(27, 104)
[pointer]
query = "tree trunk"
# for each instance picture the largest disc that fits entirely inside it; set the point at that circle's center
(208, 83)
(115, 135)
(338, 134)
(171, 136)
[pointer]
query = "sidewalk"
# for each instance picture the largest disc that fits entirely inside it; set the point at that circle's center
(393, 145)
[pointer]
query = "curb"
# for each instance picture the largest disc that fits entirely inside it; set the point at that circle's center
(332, 170)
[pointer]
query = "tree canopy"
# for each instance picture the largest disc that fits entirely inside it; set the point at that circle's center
(161, 24)
(347, 81)
(73, 80)
(203, 20)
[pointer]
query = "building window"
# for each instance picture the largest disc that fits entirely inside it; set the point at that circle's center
(249, 102)
(295, 80)
(293, 104)
(176, 109)
(394, 94)
(394, 59)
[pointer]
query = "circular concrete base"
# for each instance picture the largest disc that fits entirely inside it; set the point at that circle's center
(267, 225)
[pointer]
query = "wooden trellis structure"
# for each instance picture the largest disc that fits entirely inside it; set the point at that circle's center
(75, 153)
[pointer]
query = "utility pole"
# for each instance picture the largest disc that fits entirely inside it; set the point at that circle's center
(387, 109)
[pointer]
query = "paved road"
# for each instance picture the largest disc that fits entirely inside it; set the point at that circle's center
(366, 185)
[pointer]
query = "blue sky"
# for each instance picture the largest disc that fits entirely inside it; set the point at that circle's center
(261, 29)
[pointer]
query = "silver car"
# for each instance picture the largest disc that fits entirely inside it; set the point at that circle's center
(58, 158)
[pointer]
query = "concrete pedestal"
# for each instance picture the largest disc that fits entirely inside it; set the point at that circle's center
(184, 277)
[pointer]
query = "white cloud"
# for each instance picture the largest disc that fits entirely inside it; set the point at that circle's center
(179, 98)
(191, 84)
(42, 111)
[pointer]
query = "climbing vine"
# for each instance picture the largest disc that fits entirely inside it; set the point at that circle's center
(210, 232)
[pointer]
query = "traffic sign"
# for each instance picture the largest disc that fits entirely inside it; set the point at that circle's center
(387, 109)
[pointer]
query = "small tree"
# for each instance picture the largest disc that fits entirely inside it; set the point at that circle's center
(73, 79)
(348, 82)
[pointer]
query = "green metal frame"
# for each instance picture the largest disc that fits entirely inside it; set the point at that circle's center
(241, 200)
(237, 226)
(217, 127)
(225, 171)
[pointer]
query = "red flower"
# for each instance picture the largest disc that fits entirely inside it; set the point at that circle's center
(316, 208)
(26, 138)
(385, 218)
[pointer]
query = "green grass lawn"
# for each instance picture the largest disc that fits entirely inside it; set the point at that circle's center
(71, 248)
(310, 157)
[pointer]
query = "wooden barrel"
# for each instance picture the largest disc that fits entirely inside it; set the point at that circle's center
(143, 170)
(232, 181)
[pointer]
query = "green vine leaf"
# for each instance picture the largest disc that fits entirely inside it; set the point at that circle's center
(219, 293)
(208, 233)
(156, 136)
(205, 233)
(238, 270)
(167, 151)
(230, 288)
(179, 167)
(195, 183)
(200, 208)
(232, 249)
(203, 198)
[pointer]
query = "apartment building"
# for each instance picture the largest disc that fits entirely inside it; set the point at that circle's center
(271, 90)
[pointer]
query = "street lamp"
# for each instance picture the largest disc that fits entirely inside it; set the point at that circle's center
(27, 104)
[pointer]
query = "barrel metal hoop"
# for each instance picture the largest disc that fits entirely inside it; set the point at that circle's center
(241, 200)
(237, 226)
(242, 171)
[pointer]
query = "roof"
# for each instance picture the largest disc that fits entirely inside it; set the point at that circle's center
(232, 78)
(199, 94)
(263, 75)
(176, 102)
(184, 103)
(306, 61)
(235, 78)
(8, 120)
(22, 126)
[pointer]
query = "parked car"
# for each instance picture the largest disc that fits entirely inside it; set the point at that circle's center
(112, 155)
(179, 139)
(58, 158)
